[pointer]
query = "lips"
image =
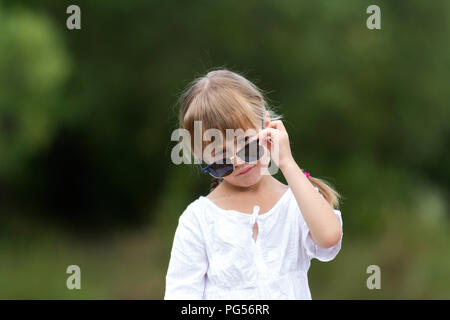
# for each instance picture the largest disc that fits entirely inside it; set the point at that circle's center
(244, 171)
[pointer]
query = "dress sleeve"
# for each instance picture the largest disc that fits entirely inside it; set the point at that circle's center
(312, 249)
(185, 279)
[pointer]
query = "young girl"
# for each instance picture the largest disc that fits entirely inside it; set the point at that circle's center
(252, 237)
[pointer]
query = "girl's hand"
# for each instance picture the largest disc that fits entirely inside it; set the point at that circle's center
(276, 138)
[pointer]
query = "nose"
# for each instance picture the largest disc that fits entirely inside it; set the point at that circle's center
(236, 161)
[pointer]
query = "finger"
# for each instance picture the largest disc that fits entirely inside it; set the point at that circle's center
(277, 124)
(261, 134)
(267, 135)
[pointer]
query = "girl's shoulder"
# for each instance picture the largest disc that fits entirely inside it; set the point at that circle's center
(200, 210)
(194, 209)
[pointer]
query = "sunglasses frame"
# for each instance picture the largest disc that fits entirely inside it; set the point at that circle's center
(207, 168)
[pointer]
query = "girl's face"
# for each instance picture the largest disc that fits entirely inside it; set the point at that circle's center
(244, 174)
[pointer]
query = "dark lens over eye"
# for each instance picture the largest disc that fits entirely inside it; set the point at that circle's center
(251, 152)
(220, 170)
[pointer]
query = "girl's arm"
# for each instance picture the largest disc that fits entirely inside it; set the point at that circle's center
(324, 226)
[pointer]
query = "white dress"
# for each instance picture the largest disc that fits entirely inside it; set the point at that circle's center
(214, 255)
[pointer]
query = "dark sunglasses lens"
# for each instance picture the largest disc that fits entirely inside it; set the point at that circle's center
(220, 170)
(251, 152)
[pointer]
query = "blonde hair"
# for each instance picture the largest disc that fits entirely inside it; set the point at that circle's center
(223, 99)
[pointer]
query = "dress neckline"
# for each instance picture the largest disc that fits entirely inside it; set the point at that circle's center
(267, 213)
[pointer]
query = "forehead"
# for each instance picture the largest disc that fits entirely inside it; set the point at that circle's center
(227, 137)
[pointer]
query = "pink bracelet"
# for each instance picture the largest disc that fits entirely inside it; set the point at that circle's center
(306, 174)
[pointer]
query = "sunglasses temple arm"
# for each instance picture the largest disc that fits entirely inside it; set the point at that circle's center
(263, 120)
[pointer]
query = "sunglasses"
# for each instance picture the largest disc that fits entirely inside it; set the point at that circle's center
(224, 167)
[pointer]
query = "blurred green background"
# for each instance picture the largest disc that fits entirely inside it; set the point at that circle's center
(86, 117)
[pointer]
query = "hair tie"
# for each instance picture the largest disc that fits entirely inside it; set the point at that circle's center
(306, 174)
